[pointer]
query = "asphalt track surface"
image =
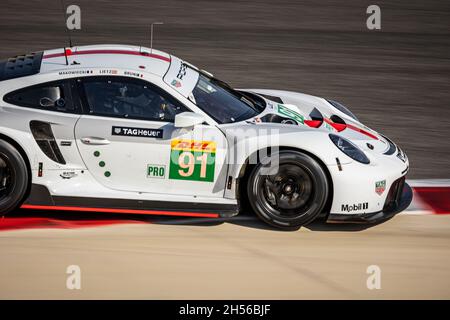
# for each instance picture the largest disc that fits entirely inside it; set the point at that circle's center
(237, 259)
(396, 80)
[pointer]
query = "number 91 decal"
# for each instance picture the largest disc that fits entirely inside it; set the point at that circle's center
(192, 160)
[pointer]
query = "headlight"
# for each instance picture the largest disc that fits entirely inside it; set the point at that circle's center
(349, 149)
(343, 109)
(392, 146)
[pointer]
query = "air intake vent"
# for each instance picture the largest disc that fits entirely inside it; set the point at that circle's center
(395, 194)
(337, 119)
(20, 66)
(42, 133)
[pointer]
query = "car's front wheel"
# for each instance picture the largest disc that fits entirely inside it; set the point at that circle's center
(288, 192)
(13, 178)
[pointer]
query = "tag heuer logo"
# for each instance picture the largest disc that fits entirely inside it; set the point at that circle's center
(137, 132)
(380, 186)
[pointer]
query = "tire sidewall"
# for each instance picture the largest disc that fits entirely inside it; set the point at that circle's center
(15, 198)
(320, 196)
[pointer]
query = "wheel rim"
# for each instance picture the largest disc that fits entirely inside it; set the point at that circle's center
(288, 193)
(6, 177)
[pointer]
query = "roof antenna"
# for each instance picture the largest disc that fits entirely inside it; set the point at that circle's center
(68, 33)
(151, 34)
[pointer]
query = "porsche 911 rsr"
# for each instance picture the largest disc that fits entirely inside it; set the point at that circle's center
(113, 128)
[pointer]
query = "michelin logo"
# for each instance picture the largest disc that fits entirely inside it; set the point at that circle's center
(137, 132)
(355, 207)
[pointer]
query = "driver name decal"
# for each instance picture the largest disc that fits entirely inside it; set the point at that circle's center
(137, 132)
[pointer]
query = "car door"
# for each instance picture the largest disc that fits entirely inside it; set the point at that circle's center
(128, 140)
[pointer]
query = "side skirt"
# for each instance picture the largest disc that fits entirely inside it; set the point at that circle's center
(41, 199)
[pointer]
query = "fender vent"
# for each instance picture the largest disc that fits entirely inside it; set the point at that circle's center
(337, 119)
(43, 134)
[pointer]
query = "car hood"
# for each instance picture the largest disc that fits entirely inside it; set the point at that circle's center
(291, 108)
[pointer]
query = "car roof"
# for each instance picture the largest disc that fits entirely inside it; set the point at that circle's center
(106, 56)
(111, 56)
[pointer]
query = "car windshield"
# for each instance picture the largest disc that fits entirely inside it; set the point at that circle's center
(223, 103)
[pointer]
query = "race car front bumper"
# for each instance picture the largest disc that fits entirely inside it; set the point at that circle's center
(399, 198)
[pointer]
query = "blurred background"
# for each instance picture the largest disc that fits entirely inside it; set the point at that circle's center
(396, 80)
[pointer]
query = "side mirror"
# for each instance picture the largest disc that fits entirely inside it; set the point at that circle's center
(188, 119)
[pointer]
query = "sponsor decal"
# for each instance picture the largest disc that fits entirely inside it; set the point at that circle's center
(68, 174)
(108, 71)
(192, 160)
(176, 83)
(380, 186)
(137, 132)
(156, 171)
(355, 207)
(182, 71)
(290, 113)
(77, 72)
(133, 74)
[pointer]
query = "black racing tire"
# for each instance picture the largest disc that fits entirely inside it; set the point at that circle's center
(292, 194)
(13, 178)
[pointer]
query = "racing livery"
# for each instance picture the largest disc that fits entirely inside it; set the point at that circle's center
(114, 128)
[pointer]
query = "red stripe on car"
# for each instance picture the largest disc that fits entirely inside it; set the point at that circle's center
(338, 126)
(128, 52)
(350, 126)
(341, 126)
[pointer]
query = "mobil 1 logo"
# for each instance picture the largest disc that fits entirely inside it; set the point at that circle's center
(137, 132)
(355, 207)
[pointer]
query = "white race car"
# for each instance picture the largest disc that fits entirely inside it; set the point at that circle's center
(128, 129)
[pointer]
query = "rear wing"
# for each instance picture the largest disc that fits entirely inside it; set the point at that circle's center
(21, 66)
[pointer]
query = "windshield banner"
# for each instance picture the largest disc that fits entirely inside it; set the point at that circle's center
(181, 77)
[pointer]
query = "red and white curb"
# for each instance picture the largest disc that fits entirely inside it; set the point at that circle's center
(430, 196)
